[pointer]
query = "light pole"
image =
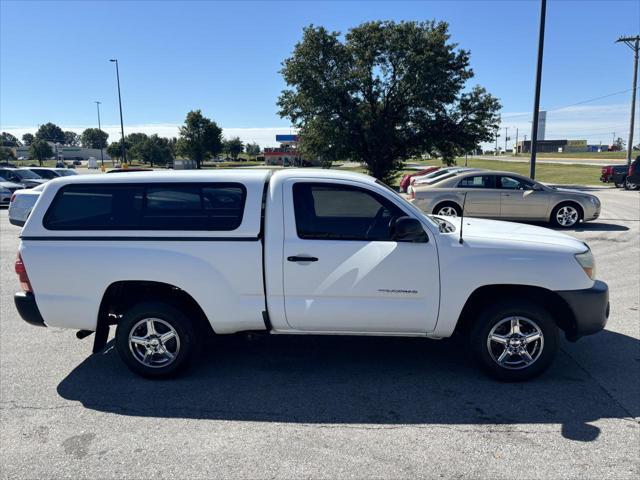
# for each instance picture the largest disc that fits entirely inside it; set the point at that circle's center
(100, 129)
(124, 153)
(634, 44)
(536, 100)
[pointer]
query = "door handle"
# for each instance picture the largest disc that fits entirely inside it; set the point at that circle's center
(296, 258)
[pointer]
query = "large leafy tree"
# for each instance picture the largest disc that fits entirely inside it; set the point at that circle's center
(94, 138)
(386, 92)
(6, 154)
(200, 138)
(28, 139)
(252, 149)
(40, 149)
(114, 150)
(233, 147)
(71, 138)
(50, 132)
(154, 150)
(8, 140)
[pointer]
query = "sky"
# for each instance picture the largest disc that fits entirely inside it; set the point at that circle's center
(224, 58)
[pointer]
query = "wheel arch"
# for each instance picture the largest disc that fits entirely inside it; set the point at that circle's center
(485, 295)
(574, 203)
(122, 295)
(444, 201)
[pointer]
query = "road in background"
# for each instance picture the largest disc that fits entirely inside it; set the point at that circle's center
(291, 406)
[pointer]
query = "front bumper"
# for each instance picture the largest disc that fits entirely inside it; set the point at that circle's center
(590, 308)
(28, 309)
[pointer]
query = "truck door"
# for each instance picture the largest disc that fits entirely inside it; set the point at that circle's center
(342, 270)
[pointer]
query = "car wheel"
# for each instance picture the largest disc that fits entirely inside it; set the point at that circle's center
(566, 215)
(630, 185)
(448, 209)
(619, 185)
(155, 340)
(514, 341)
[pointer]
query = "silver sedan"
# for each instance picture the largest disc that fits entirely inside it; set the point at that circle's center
(508, 196)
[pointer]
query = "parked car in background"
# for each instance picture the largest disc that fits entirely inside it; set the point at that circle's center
(615, 174)
(406, 179)
(632, 180)
(21, 204)
(22, 176)
(507, 196)
(438, 175)
(6, 191)
(51, 173)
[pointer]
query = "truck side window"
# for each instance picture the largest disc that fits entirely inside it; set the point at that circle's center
(342, 212)
(186, 206)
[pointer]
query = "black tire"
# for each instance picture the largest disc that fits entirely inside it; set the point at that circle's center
(629, 186)
(542, 351)
(182, 346)
(442, 205)
(554, 220)
(619, 185)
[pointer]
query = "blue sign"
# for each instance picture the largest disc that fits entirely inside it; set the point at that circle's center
(286, 138)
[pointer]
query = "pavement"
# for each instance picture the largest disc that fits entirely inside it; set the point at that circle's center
(329, 407)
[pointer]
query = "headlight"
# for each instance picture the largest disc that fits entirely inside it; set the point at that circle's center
(594, 200)
(588, 263)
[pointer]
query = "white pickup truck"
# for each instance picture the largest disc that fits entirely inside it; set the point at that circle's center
(170, 257)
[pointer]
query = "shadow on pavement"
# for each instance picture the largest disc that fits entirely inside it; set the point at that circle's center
(350, 380)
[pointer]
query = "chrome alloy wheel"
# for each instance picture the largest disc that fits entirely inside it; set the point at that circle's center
(567, 216)
(515, 343)
(447, 211)
(154, 342)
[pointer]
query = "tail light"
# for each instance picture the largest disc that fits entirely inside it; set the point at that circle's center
(630, 172)
(23, 278)
(13, 197)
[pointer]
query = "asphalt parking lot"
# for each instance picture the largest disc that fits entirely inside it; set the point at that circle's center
(290, 407)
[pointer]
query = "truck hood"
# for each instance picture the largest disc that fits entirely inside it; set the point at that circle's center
(515, 232)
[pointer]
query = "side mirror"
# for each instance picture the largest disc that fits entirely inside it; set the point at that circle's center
(409, 229)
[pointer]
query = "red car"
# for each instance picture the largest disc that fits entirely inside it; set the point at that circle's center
(406, 179)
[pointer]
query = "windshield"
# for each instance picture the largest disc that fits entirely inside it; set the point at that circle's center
(27, 174)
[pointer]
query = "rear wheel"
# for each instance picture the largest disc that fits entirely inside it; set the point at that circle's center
(155, 340)
(630, 185)
(514, 341)
(448, 209)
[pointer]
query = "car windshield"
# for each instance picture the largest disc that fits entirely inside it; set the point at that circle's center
(27, 174)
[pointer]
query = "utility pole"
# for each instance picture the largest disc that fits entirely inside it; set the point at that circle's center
(634, 44)
(536, 100)
(506, 137)
(124, 153)
(496, 152)
(100, 128)
(516, 147)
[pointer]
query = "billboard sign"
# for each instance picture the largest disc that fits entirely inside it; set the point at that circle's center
(286, 138)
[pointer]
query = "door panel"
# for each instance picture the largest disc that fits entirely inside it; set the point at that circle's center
(519, 201)
(355, 285)
(482, 197)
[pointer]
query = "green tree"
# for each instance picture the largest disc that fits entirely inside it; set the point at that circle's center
(233, 147)
(618, 144)
(28, 139)
(94, 138)
(41, 150)
(386, 92)
(6, 154)
(154, 150)
(200, 138)
(114, 150)
(72, 139)
(8, 140)
(51, 133)
(252, 149)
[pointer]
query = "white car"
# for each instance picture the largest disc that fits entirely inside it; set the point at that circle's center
(436, 176)
(171, 257)
(21, 204)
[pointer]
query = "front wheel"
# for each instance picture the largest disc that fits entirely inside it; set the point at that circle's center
(155, 340)
(566, 215)
(630, 185)
(514, 341)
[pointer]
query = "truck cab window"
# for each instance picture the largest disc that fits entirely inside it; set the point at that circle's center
(342, 212)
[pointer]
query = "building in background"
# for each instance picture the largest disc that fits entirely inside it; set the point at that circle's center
(63, 152)
(553, 146)
(286, 154)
